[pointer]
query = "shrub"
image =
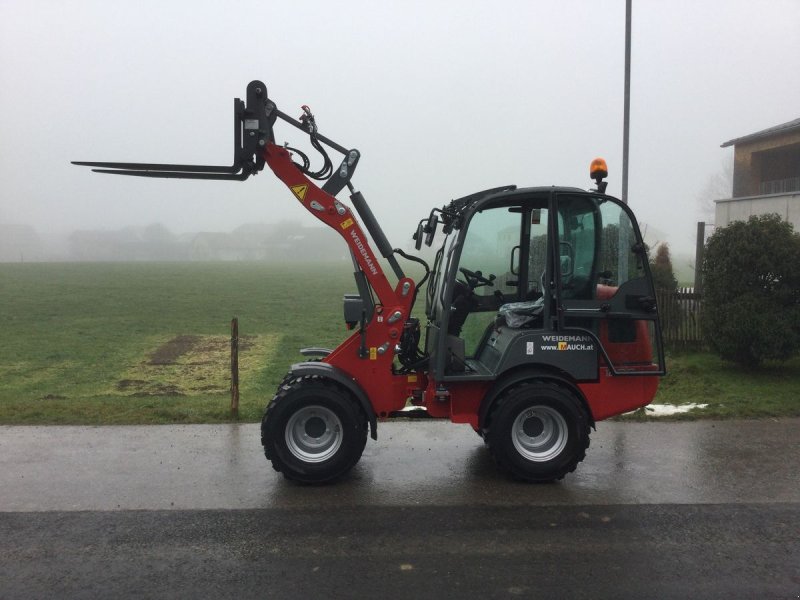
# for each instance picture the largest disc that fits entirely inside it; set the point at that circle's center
(666, 285)
(751, 304)
(661, 268)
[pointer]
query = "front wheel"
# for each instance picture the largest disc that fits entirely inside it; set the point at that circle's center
(313, 431)
(538, 431)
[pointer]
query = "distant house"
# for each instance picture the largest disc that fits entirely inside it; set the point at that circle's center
(766, 176)
(154, 242)
(284, 241)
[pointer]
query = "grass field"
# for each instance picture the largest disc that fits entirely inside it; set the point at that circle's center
(149, 343)
(728, 390)
(141, 343)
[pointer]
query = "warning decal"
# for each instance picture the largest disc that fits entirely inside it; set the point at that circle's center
(347, 223)
(300, 191)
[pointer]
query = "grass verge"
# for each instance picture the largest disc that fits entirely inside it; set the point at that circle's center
(729, 391)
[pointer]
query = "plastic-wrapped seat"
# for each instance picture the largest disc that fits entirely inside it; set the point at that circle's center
(520, 314)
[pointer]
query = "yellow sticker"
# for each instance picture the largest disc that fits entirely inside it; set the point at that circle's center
(562, 345)
(347, 223)
(300, 191)
(412, 379)
(373, 354)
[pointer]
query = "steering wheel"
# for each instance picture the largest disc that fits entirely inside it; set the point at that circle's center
(475, 279)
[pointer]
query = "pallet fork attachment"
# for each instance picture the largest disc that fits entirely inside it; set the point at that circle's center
(252, 130)
(253, 122)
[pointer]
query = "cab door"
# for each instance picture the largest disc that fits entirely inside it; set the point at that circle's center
(506, 244)
(490, 251)
(603, 283)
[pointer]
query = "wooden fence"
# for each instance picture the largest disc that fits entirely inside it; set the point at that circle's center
(680, 318)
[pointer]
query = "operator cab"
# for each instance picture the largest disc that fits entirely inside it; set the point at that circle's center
(556, 277)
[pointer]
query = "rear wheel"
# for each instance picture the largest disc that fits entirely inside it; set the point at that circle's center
(538, 431)
(313, 430)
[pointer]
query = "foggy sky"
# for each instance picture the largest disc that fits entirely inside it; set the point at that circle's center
(441, 98)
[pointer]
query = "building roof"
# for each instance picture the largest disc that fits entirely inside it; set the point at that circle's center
(786, 127)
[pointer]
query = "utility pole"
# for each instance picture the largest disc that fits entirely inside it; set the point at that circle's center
(626, 119)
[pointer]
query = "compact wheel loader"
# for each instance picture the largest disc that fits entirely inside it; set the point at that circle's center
(540, 314)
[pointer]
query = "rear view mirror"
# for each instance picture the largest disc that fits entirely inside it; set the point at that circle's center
(514, 254)
(418, 235)
(566, 266)
(566, 255)
(430, 229)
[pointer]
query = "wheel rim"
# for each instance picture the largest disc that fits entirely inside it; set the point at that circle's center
(539, 433)
(314, 434)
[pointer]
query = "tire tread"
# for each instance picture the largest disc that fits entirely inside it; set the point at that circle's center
(503, 462)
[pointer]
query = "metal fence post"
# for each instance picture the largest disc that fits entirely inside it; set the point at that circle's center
(235, 368)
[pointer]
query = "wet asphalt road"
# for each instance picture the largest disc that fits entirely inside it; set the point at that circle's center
(657, 510)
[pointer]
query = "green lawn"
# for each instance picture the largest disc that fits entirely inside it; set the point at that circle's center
(729, 390)
(86, 343)
(149, 343)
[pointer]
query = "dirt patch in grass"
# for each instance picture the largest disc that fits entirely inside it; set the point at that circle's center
(170, 352)
(198, 346)
(158, 389)
(188, 365)
(127, 384)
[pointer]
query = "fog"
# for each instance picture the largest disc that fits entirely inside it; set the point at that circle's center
(441, 98)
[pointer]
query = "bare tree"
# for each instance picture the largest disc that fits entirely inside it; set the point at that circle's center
(717, 187)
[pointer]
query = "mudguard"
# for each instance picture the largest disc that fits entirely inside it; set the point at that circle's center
(519, 375)
(321, 369)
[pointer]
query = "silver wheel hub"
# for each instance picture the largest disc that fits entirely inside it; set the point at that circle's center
(539, 433)
(314, 434)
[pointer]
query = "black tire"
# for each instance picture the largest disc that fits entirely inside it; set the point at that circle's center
(538, 431)
(313, 431)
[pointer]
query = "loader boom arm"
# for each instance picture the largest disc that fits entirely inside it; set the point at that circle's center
(341, 219)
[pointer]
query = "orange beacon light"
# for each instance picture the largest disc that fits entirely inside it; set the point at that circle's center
(598, 170)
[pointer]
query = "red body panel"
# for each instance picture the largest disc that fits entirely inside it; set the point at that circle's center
(634, 355)
(463, 404)
(612, 396)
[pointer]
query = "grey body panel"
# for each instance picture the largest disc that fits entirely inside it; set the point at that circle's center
(572, 352)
